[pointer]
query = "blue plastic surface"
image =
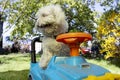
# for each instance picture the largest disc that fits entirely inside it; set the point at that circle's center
(66, 68)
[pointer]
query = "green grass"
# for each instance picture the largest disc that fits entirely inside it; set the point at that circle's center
(14, 75)
(16, 66)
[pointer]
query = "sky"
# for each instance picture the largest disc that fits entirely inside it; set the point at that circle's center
(99, 8)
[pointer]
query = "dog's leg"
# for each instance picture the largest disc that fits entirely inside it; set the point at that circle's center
(45, 58)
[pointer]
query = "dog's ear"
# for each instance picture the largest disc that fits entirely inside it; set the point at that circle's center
(57, 12)
(60, 18)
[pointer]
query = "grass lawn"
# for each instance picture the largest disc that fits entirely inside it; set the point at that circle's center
(16, 66)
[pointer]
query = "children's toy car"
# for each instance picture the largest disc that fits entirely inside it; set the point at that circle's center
(74, 67)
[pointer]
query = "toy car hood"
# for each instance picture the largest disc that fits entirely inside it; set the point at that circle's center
(75, 68)
(66, 68)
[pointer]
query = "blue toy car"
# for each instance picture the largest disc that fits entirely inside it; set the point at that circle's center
(74, 67)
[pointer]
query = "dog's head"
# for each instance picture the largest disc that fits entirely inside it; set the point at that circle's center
(51, 20)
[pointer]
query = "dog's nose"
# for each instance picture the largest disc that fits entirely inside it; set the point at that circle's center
(38, 26)
(44, 15)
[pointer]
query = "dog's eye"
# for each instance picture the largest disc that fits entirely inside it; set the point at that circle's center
(44, 15)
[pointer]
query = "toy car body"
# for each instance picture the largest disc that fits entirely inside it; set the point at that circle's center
(66, 68)
(74, 67)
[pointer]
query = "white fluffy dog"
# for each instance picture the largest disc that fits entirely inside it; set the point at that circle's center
(51, 22)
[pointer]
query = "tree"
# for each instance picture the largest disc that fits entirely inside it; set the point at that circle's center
(21, 14)
(79, 16)
(109, 33)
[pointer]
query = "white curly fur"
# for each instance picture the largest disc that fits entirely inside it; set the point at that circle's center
(51, 22)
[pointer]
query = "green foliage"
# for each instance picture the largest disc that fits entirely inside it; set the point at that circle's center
(21, 14)
(79, 16)
(109, 33)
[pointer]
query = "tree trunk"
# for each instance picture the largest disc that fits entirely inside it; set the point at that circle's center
(1, 31)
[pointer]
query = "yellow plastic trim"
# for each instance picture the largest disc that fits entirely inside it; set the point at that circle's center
(107, 76)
